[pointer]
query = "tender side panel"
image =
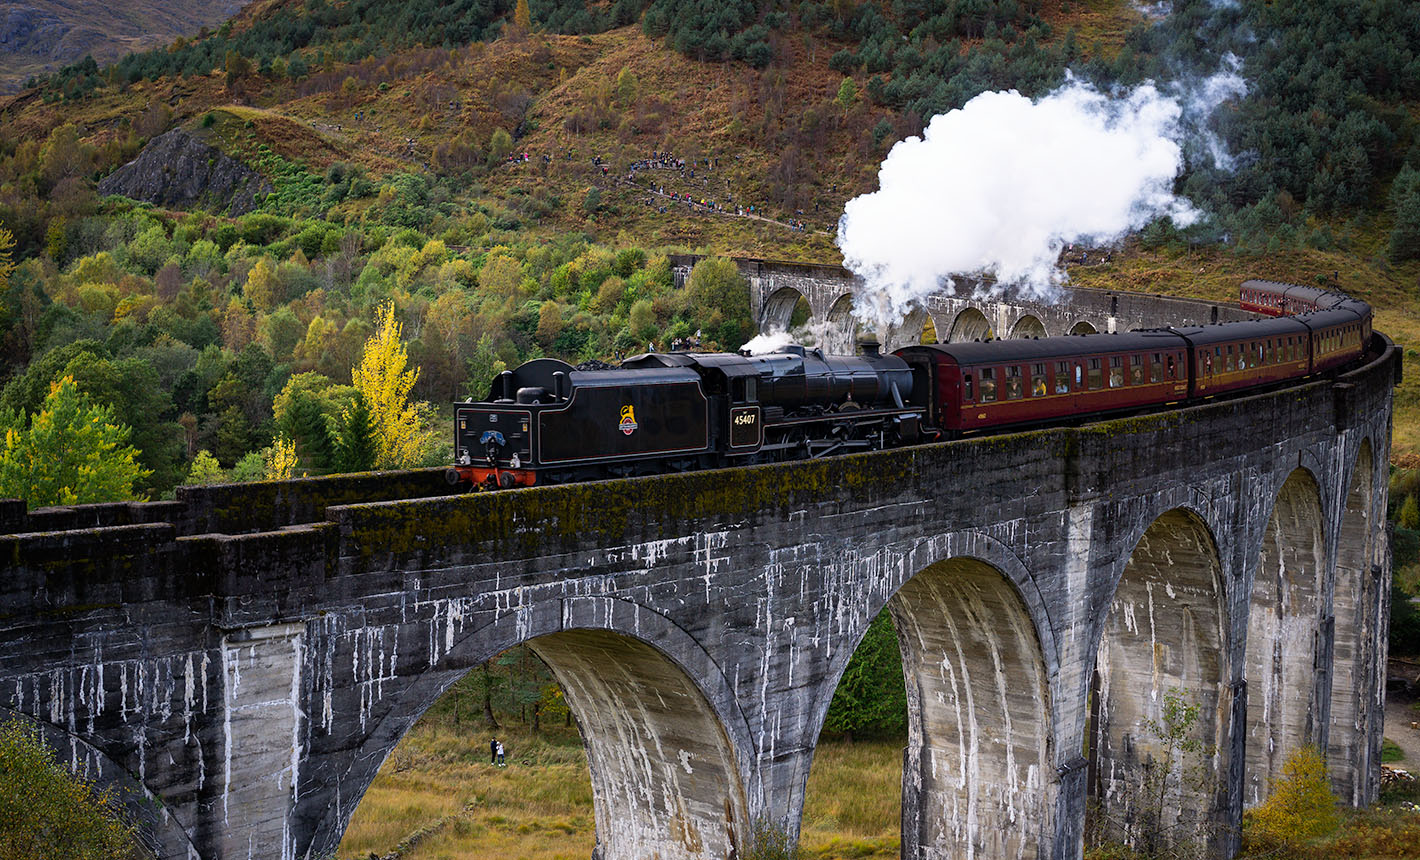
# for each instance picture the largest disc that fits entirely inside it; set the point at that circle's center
(625, 421)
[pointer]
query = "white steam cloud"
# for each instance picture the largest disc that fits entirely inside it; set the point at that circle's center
(763, 344)
(1000, 186)
(1203, 97)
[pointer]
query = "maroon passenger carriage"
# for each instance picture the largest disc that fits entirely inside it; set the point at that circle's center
(981, 386)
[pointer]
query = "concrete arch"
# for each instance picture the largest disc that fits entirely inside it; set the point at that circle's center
(670, 757)
(1163, 645)
(1083, 327)
(1028, 326)
(1347, 753)
(1283, 627)
(971, 324)
(158, 829)
(841, 329)
(979, 775)
(779, 309)
(906, 333)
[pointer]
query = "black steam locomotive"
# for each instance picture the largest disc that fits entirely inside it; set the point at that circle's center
(549, 422)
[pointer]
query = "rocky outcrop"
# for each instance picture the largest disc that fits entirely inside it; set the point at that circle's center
(177, 169)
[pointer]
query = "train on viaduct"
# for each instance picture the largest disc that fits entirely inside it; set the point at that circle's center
(240, 661)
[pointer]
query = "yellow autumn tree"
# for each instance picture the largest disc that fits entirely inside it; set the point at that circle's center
(1302, 805)
(7, 263)
(522, 17)
(281, 461)
(402, 435)
(262, 288)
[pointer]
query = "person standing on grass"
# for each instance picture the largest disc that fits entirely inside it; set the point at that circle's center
(499, 747)
(493, 751)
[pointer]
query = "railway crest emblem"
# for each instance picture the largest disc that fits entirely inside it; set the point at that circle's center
(628, 420)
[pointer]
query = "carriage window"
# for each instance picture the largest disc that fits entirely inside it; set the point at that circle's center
(1062, 377)
(988, 385)
(1231, 363)
(1173, 369)
(966, 387)
(1096, 374)
(1156, 368)
(1014, 388)
(1136, 370)
(1037, 381)
(1207, 363)
(1116, 371)
(1257, 353)
(1078, 383)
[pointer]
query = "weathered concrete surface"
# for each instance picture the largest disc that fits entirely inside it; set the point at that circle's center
(972, 313)
(252, 681)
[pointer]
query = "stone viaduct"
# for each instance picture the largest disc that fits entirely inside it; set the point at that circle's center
(824, 295)
(240, 661)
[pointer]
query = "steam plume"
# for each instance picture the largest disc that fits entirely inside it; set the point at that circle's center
(1000, 186)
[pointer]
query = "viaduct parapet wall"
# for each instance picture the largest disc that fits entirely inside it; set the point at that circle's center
(240, 662)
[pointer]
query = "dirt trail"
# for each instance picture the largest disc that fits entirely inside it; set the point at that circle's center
(1398, 717)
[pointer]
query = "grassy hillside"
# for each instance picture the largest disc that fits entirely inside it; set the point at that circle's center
(40, 36)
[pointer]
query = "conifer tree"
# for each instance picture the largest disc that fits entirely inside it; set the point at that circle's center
(355, 442)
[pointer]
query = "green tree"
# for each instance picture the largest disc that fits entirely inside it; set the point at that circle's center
(871, 698)
(1409, 516)
(71, 453)
(719, 301)
(626, 87)
(205, 470)
(847, 94)
(132, 389)
(48, 811)
(355, 438)
(401, 432)
(483, 366)
(500, 143)
(1405, 206)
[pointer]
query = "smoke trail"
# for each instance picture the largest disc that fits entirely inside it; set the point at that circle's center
(1000, 186)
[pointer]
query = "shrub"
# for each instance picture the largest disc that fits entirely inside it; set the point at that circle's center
(47, 811)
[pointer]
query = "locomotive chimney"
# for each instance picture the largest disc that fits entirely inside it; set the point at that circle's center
(869, 348)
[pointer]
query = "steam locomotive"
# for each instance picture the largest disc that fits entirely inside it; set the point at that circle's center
(548, 422)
